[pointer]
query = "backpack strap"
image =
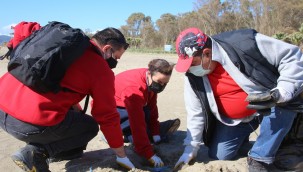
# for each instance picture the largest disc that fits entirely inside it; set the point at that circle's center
(6, 55)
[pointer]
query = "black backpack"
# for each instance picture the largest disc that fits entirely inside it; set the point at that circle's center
(41, 60)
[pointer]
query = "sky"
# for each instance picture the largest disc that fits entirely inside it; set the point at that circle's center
(89, 14)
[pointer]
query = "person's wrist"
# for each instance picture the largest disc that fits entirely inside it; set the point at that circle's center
(125, 162)
(120, 157)
(283, 95)
(156, 138)
(191, 150)
(119, 152)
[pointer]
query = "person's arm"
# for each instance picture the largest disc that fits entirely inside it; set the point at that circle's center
(104, 111)
(134, 102)
(195, 118)
(288, 59)
(120, 152)
(104, 108)
(122, 159)
(195, 125)
(154, 116)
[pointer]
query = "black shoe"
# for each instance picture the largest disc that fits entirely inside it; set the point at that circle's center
(67, 155)
(31, 158)
(169, 126)
(257, 166)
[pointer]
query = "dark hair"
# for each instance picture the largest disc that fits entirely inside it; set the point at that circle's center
(208, 44)
(111, 36)
(160, 65)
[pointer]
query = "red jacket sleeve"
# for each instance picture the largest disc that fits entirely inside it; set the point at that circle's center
(134, 102)
(154, 115)
(104, 108)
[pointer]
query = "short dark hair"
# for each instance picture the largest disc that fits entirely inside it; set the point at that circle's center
(160, 65)
(111, 36)
(208, 44)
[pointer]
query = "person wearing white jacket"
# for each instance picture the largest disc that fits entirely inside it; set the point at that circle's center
(243, 79)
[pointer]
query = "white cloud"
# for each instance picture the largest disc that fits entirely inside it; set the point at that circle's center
(98, 30)
(9, 26)
(6, 30)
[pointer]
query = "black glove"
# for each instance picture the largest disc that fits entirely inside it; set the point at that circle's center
(262, 102)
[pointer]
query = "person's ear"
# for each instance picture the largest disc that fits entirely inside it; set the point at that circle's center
(102, 48)
(106, 48)
(148, 73)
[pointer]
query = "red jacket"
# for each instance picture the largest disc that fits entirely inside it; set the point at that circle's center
(90, 74)
(133, 94)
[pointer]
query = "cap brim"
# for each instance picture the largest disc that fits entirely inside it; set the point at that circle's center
(183, 64)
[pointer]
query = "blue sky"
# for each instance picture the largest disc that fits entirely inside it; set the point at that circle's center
(88, 14)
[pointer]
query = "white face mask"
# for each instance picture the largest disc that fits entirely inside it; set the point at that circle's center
(199, 71)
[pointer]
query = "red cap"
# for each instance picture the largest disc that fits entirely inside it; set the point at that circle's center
(188, 42)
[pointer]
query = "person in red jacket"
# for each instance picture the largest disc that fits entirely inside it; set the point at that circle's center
(136, 98)
(46, 122)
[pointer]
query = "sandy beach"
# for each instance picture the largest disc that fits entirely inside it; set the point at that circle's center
(99, 158)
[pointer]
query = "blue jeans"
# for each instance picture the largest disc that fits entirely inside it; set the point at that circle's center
(227, 140)
(124, 121)
(273, 129)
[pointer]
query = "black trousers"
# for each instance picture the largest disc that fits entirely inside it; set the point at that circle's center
(75, 131)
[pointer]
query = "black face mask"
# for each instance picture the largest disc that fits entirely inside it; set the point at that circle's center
(112, 62)
(156, 87)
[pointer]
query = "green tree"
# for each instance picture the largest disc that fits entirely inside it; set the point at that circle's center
(150, 37)
(134, 23)
(134, 42)
(168, 28)
(189, 19)
(270, 17)
(125, 30)
(297, 37)
(209, 13)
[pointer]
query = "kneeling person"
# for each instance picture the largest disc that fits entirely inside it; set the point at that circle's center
(136, 98)
(45, 121)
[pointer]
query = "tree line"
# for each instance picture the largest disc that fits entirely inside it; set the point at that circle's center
(282, 19)
(279, 18)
